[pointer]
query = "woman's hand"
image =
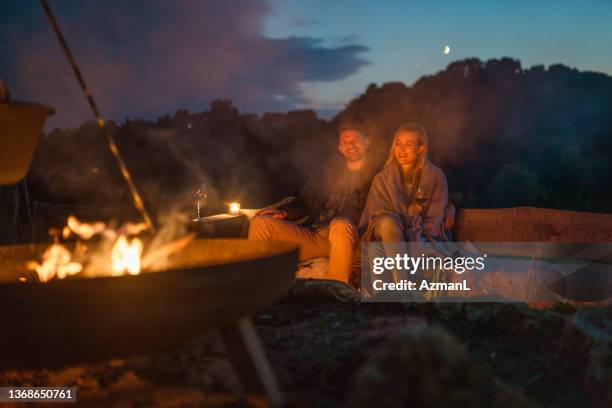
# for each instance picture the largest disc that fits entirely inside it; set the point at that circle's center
(414, 209)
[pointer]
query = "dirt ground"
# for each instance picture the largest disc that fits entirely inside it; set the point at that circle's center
(328, 353)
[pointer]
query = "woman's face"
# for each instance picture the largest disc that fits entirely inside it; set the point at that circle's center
(407, 149)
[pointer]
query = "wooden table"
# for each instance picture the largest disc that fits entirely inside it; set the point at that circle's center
(223, 225)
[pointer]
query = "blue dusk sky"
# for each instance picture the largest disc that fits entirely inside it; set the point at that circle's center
(148, 58)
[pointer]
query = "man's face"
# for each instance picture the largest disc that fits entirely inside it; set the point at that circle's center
(352, 145)
(407, 148)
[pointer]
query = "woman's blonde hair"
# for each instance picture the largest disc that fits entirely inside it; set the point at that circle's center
(422, 139)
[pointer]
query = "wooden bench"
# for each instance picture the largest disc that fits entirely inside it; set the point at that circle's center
(531, 224)
(518, 224)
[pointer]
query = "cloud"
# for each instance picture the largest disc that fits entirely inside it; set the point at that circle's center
(304, 22)
(150, 58)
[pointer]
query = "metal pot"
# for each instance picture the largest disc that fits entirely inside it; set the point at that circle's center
(20, 127)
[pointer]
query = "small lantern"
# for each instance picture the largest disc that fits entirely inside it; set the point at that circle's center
(234, 208)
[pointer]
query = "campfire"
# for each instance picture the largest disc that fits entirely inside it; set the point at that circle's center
(117, 252)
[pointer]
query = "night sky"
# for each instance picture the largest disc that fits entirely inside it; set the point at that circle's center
(148, 58)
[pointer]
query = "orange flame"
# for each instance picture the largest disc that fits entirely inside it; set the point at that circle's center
(83, 229)
(56, 262)
(125, 256)
(126, 252)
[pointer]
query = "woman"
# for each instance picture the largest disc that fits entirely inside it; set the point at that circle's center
(408, 196)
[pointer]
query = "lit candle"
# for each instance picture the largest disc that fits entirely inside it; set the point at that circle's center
(234, 208)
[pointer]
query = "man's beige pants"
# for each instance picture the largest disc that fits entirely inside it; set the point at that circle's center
(336, 241)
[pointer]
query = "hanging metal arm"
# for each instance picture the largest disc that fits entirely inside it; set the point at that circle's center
(136, 197)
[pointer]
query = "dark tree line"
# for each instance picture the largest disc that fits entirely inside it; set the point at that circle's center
(504, 135)
(252, 159)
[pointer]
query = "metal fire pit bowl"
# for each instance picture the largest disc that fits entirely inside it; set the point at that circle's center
(210, 283)
(20, 127)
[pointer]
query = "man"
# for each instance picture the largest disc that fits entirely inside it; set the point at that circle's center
(333, 206)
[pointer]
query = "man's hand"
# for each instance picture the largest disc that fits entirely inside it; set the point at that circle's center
(414, 209)
(279, 214)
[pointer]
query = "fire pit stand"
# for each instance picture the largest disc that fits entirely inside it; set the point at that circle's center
(211, 283)
(250, 362)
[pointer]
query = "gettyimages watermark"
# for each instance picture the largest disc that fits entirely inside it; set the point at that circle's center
(486, 272)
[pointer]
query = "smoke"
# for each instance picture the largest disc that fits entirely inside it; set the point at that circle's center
(238, 157)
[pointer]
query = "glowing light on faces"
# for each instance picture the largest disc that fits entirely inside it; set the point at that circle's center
(406, 148)
(352, 145)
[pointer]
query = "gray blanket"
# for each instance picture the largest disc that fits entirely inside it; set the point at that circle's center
(387, 196)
